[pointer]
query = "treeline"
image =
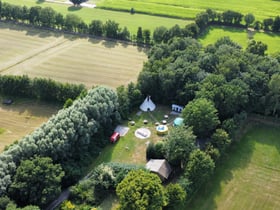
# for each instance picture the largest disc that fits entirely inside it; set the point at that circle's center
(72, 135)
(233, 18)
(39, 88)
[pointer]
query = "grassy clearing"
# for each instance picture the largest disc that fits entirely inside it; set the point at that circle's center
(241, 36)
(250, 176)
(130, 149)
(132, 22)
(21, 118)
(188, 9)
(66, 58)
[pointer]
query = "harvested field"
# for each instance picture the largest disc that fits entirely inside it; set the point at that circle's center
(67, 58)
(21, 118)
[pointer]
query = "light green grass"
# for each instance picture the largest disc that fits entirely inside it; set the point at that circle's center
(132, 22)
(66, 58)
(249, 177)
(2, 130)
(241, 36)
(188, 8)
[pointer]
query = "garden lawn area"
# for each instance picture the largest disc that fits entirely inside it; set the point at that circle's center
(21, 118)
(188, 9)
(241, 36)
(249, 177)
(130, 149)
(68, 58)
(132, 22)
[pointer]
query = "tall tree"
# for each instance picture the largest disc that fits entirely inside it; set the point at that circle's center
(256, 47)
(139, 36)
(202, 116)
(249, 19)
(178, 145)
(141, 190)
(36, 182)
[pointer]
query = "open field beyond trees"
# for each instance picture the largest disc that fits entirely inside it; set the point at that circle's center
(22, 118)
(241, 36)
(188, 9)
(132, 22)
(249, 177)
(66, 58)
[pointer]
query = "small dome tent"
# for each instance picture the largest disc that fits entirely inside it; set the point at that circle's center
(148, 105)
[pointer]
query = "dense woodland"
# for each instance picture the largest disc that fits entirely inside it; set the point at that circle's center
(218, 85)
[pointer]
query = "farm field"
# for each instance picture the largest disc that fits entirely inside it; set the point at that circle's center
(241, 36)
(66, 58)
(132, 22)
(250, 176)
(188, 9)
(21, 118)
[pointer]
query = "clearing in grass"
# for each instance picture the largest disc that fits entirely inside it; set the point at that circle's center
(240, 36)
(22, 118)
(249, 177)
(68, 58)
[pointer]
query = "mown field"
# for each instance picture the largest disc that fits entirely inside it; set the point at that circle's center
(241, 36)
(188, 9)
(132, 22)
(22, 118)
(66, 58)
(250, 176)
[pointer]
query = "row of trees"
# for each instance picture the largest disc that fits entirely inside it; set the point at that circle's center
(230, 17)
(67, 137)
(39, 88)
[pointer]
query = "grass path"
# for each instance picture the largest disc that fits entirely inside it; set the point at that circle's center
(250, 176)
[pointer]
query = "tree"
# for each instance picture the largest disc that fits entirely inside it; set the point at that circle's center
(267, 23)
(147, 36)
(249, 19)
(178, 145)
(274, 93)
(199, 168)
(47, 17)
(77, 2)
(257, 48)
(111, 29)
(141, 190)
(220, 139)
(159, 34)
(202, 20)
(175, 196)
(202, 116)
(36, 182)
(276, 24)
(139, 36)
(96, 28)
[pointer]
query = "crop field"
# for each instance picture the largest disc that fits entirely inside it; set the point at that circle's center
(188, 9)
(21, 118)
(132, 22)
(39, 53)
(241, 36)
(250, 176)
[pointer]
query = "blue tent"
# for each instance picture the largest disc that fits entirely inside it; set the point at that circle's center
(178, 121)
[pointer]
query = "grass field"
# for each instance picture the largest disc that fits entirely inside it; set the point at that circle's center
(188, 9)
(250, 176)
(66, 58)
(130, 149)
(132, 22)
(241, 36)
(21, 118)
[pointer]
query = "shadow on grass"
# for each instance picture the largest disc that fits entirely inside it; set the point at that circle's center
(74, 8)
(238, 158)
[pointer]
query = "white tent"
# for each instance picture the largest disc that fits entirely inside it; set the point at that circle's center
(148, 105)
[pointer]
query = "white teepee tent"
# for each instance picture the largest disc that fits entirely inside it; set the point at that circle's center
(148, 105)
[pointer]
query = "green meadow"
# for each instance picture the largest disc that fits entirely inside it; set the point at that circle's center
(132, 22)
(241, 36)
(249, 177)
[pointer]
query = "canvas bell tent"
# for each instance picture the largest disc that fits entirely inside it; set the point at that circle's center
(148, 105)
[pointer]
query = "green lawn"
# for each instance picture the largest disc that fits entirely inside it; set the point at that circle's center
(188, 9)
(250, 176)
(241, 36)
(132, 22)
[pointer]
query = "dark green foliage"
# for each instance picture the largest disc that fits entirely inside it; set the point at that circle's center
(140, 190)
(155, 151)
(199, 169)
(220, 139)
(36, 182)
(276, 24)
(77, 2)
(202, 116)
(175, 196)
(178, 145)
(256, 47)
(249, 19)
(202, 20)
(4, 201)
